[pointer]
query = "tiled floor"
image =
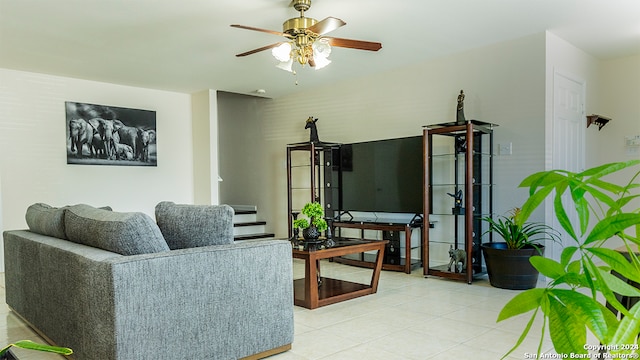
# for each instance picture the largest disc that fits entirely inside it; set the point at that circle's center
(411, 317)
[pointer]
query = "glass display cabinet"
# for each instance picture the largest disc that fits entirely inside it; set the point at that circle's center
(313, 174)
(458, 193)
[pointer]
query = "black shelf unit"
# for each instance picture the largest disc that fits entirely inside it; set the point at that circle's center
(313, 174)
(458, 161)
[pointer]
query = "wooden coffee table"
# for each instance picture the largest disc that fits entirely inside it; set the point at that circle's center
(308, 293)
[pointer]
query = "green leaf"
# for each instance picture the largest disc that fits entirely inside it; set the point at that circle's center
(522, 303)
(610, 226)
(587, 310)
(617, 262)
(618, 285)
(628, 329)
(602, 170)
(567, 254)
(561, 214)
(543, 178)
(533, 202)
(524, 334)
(547, 267)
(601, 277)
(568, 333)
(30, 345)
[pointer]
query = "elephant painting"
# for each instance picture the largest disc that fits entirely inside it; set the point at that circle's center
(113, 135)
(138, 139)
(80, 133)
(105, 130)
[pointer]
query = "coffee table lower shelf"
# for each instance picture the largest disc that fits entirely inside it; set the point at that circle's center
(330, 291)
(307, 293)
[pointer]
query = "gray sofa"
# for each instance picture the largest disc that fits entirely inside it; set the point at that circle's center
(226, 300)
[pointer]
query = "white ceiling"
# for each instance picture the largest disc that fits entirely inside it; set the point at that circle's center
(188, 46)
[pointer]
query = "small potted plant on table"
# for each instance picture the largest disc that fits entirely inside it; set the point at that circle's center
(314, 226)
(507, 262)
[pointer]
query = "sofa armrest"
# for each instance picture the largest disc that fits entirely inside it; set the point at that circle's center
(229, 301)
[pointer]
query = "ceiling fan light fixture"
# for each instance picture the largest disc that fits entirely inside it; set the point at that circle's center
(321, 62)
(321, 48)
(321, 52)
(286, 65)
(282, 52)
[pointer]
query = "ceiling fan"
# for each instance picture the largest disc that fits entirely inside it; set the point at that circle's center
(306, 42)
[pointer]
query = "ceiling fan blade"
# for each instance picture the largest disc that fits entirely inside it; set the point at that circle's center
(258, 29)
(354, 44)
(259, 49)
(326, 25)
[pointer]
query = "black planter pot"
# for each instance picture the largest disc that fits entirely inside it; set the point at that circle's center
(510, 268)
(311, 233)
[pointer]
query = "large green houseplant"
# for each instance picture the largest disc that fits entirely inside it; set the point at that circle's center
(507, 262)
(572, 301)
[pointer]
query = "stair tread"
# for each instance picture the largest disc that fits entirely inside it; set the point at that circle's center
(254, 236)
(252, 223)
(245, 212)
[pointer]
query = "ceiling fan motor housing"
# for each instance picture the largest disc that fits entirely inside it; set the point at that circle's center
(297, 25)
(302, 5)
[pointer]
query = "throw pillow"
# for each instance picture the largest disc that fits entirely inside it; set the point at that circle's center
(46, 220)
(188, 226)
(123, 233)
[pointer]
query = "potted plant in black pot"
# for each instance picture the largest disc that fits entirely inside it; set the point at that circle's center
(314, 226)
(507, 262)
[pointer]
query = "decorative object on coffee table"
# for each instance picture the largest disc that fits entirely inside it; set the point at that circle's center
(314, 226)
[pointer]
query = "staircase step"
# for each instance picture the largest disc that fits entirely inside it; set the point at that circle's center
(252, 223)
(244, 217)
(254, 236)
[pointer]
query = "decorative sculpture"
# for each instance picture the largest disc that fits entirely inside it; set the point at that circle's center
(311, 125)
(460, 112)
(457, 203)
(457, 256)
(461, 144)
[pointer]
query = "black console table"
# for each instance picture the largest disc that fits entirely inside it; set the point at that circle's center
(390, 249)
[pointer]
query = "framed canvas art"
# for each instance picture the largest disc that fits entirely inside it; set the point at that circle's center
(109, 135)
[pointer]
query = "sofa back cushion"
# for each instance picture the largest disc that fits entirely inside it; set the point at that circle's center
(189, 226)
(123, 233)
(46, 220)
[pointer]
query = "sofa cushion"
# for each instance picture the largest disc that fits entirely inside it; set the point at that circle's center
(46, 220)
(123, 233)
(189, 226)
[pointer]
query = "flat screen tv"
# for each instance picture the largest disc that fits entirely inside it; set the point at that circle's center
(383, 176)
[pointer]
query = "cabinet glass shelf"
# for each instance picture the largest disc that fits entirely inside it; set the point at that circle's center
(458, 193)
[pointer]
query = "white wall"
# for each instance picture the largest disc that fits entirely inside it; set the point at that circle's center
(204, 106)
(504, 84)
(620, 100)
(33, 156)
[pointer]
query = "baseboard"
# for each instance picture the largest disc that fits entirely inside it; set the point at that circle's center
(268, 353)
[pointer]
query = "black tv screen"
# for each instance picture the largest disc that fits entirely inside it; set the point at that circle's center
(383, 176)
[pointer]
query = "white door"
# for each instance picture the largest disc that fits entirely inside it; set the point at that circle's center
(569, 126)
